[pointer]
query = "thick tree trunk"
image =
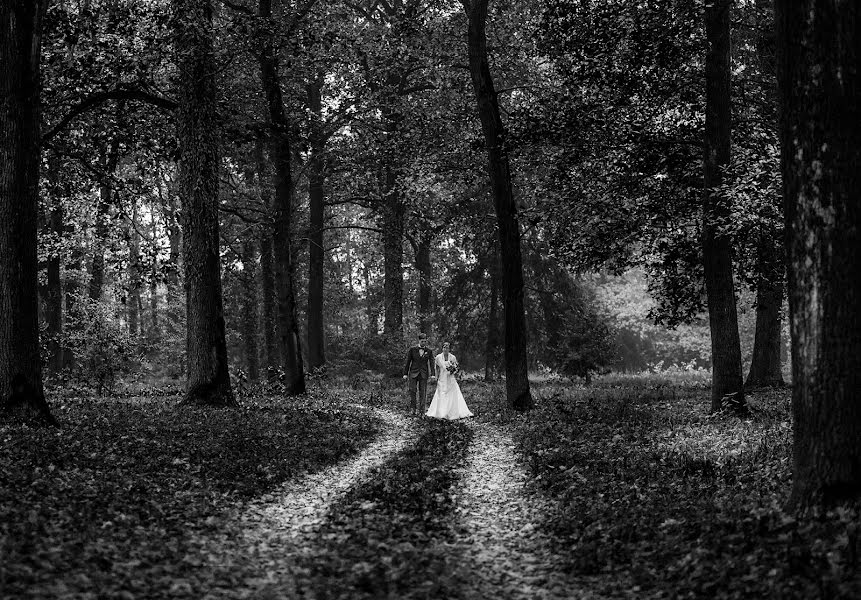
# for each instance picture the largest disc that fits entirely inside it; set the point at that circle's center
(516, 373)
(727, 383)
(819, 73)
(287, 325)
(20, 54)
(316, 253)
(249, 309)
(206, 348)
(765, 366)
(423, 294)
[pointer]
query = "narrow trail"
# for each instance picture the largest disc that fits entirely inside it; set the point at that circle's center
(278, 528)
(507, 556)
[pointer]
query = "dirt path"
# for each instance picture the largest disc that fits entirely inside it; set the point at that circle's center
(278, 528)
(507, 556)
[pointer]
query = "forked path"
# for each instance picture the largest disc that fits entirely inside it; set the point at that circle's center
(280, 527)
(507, 556)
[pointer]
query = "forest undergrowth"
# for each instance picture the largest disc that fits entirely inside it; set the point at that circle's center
(113, 500)
(656, 498)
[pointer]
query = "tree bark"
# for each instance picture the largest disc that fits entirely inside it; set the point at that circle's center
(267, 273)
(765, 366)
(516, 372)
(727, 384)
(819, 74)
(287, 324)
(423, 295)
(393, 255)
(206, 348)
(249, 310)
(97, 270)
(491, 349)
(20, 54)
(133, 303)
(316, 254)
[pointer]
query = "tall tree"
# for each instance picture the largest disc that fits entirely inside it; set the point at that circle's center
(20, 55)
(516, 373)
(316, 209)
(287, 323)
(197, 124)
(727, 383)
(819, 74)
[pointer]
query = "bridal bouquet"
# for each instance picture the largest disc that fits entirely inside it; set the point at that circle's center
(451, 368)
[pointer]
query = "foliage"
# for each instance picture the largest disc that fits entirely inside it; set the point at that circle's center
(659, 499)
(102, 345)
(114, 502)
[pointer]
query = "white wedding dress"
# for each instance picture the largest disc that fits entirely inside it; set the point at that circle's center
(448, 402)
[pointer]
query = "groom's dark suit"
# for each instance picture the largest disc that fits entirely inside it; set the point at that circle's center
(418, 369)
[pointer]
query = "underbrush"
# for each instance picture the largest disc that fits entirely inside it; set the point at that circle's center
(109, 502)
(383, 539)
(669, 502)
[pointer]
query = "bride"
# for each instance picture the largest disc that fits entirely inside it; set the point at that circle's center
(448, 402)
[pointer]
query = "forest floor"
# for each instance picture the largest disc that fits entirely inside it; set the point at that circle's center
(625, 488)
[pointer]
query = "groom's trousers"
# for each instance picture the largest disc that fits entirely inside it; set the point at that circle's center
(418, 384)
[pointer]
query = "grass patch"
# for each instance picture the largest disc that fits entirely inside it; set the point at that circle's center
(383, 539)
(110, 502)
(671, 502)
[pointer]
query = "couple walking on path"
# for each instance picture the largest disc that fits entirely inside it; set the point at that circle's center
(421, 366)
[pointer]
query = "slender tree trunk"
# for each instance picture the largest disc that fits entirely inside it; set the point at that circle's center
(316, 254)
(97, 271)
(727, 383)
(516, 372)
(287, 325)
(370, 306)
(393, 255)
(133, 299)
(20, 55)
(206, 347)
(267, 273)
(491, 349)
(423, 266)
(249, 310)
(819, 73)
(765, 367)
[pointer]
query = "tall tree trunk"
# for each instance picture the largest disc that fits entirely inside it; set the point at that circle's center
(206, 347)
(20, 55)
(287, 325)
(491, 349)
(267, 273)
(819, 73)
(133, 299)
(727, 383)
(316, 253)
(249, 310)
(765, 368)
(109, 162)
(393, 255)
(423, 295)
(370, 305)
(516, 373)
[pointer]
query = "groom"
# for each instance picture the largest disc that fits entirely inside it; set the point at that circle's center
(417, 370)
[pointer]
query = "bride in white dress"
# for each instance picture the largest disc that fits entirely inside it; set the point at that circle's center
(448, 402)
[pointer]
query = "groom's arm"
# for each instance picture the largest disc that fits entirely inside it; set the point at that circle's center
(407, 365)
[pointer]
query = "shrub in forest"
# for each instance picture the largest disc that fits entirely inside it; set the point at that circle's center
(103, 348)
